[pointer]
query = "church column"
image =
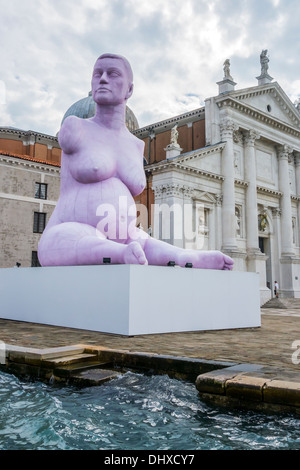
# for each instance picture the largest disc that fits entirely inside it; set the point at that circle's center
(212, 228)
(227, 128)
(284, 152)
(156, 222)
(251, 194)
(168, 223)
(188, 218)
(297, 165)
(172, 215)
(218, 223)
(276, 274)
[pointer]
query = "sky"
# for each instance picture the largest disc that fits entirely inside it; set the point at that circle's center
(176, 49)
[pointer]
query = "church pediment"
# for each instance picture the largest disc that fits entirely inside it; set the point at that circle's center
(271, 100)
(207, 159)
(206, 197)
(211, 163)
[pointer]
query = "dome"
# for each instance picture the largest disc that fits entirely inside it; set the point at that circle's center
(86, 108)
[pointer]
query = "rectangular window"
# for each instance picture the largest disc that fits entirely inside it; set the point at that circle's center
(261, 243)
(39, 222)
(40, 191)
(35, 260)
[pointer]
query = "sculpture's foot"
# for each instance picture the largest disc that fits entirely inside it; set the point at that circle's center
(134, 254)
(206, 260)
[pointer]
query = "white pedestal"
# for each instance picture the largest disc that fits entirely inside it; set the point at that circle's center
(226, 85)
(172, 150)
(131, 299)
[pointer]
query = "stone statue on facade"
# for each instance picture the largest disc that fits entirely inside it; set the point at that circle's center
(174, 136)
(262, 222)
(101, 173)
(173, 149)
(264, 77)
(226, 69)
(238, 222)
(227, 84)
(264, 62)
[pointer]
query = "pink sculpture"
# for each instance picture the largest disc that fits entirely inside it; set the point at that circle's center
(101, 171)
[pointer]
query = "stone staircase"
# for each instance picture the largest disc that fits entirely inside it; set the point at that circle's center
(282, 303)
(72, 364)
(83, 369)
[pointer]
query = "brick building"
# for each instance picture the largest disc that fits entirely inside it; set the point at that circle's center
(29, 189)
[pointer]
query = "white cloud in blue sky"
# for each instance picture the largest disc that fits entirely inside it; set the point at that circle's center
(176, 49)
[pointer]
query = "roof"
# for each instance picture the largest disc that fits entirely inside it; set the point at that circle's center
(23, 133)
(161, 126)
(29, 158)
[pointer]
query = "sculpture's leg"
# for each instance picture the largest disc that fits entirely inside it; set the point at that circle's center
(160, 253)
(72, 243)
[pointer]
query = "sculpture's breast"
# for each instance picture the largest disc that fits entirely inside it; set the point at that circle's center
(130, 168)
(92, 168)
(134, 179)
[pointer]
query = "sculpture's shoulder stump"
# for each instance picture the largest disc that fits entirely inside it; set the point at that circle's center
(70, 133)
(138, 142)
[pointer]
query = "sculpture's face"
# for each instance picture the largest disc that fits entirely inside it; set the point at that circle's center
(110, 82)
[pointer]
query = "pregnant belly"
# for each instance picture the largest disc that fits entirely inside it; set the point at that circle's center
(107, 205)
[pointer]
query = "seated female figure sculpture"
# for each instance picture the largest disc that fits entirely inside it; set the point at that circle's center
(102, 168)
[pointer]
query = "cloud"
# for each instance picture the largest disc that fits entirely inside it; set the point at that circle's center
(176, 49)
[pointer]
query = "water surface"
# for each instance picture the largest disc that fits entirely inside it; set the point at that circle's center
(132, 412)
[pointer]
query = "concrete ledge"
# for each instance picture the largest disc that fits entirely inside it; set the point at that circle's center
(282, 391)
(245, 388)
(214, 382)
(24, 362)
(131, 299)
(266, 386)
(175, 366)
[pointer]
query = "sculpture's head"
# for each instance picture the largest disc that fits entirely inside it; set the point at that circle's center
(112, 80)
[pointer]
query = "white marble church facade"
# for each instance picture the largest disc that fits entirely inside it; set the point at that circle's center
(241, 191)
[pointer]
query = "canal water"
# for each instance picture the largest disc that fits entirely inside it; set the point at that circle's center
(132, 412)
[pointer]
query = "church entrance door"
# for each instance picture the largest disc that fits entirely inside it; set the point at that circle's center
(265, 248)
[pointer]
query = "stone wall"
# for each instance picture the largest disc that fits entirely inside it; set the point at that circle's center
(18, 204)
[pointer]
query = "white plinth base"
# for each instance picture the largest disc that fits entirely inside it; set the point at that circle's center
(129, 299)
